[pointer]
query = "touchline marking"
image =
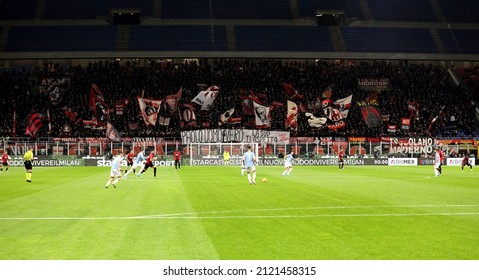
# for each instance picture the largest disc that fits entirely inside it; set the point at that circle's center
(245, 217)
(217, 214)
(311, 208)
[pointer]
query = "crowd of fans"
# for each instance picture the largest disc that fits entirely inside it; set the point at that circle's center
(429, 87)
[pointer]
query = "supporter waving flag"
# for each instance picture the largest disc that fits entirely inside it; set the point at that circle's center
(291, 92)
(206, 97)
(98, 106)
(370, 111)
(291, 121)
(112, 133)
(173, 99)
(34, 124)
(262, 115)
(95, 94)
(149, 109)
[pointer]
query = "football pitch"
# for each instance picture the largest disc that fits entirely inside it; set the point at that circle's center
(212, 213)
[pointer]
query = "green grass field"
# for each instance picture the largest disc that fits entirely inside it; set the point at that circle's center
(210, 213)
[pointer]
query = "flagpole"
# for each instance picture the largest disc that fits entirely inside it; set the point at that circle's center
(49, 121)
(14, 121)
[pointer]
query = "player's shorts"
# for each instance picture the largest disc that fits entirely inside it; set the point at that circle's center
(437, 164)
(28, 164)
(5, 163)
(288, 165)
(149, 164)
(135, 165)
(129, 163)
(115, 173)
(250, 169)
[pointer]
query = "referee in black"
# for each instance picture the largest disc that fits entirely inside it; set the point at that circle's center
(27, 159)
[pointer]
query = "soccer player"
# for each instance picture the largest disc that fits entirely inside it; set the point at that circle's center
(5, 161)
(129, 161)
(27, 158)
(115, 171)
(249, 159)
(438, 158)
(140, 157)
(341, 158)
(149, 163)
(177, 158)
(288, 164)
(465, 161)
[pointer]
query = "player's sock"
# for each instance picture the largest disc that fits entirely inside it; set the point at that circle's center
(289, 172)
(254, 177)
(116, 181)
(242, 171)
(30, 176)
(284, 173)
(249, 178)
(108, 183)
(26, 176)
(154, 171)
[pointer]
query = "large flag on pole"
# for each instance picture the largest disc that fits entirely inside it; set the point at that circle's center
(291, 121)
(172, 101)
(34, 124)
(112, 133)
(98, 105)
(149, 109)
(343, 105)
(261, 115)
(370, 111)
(206, 97)
(95, 94)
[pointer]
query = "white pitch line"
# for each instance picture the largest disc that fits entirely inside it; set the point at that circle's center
(311, 208)
(244, 217)
(197, 215)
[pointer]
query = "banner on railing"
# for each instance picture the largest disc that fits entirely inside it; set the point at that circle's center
(234, 135)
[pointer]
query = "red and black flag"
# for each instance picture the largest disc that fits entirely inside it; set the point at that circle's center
(370, 111)
(112, 133)
(34, 124)
(98, 105)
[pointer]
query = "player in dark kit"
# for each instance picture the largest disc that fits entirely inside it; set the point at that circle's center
(129, 161)
(149, 163)
(465, 161)
(5, 161)
(177, 158)
(341, 158)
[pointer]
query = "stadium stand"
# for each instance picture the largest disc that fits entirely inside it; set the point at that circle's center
(178, 38)
(236, 9)
(307, 8)
(283, 38)
(377, 39)
(11, 10)
(91, 9)
(460, 41)
(402, 10)
(61, 38)
(463, 11)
